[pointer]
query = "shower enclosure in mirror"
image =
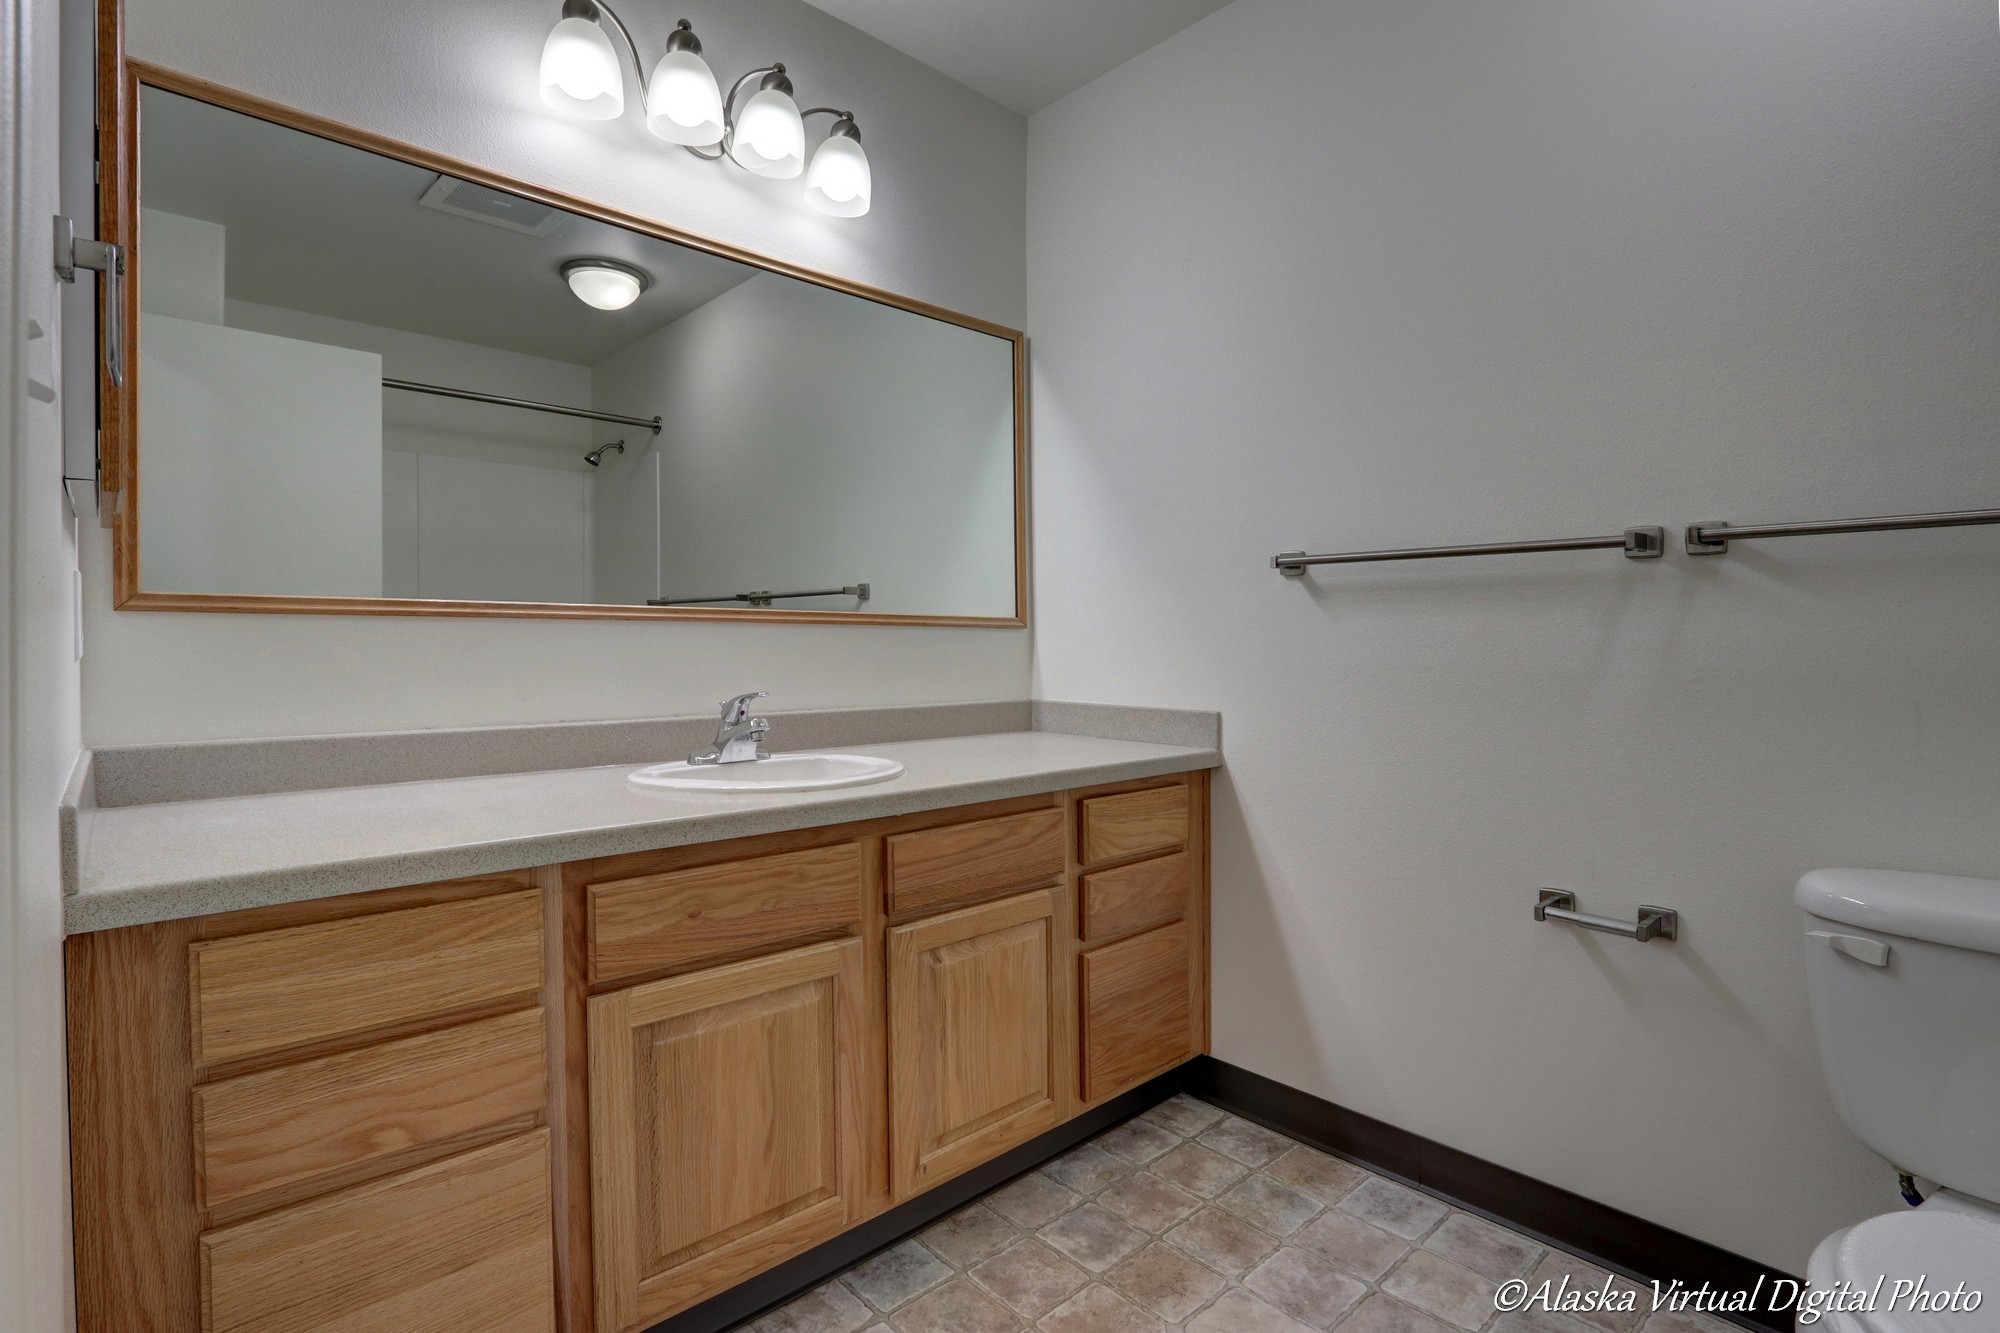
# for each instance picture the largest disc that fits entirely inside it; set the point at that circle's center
(365, 379)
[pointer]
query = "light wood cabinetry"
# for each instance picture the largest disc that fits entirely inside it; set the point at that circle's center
(726, 1124)
(972, 1034)
(587, 1097)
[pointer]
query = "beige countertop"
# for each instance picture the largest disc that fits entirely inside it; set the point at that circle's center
(176, 859)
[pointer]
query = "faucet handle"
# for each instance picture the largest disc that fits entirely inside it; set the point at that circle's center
(736, 710)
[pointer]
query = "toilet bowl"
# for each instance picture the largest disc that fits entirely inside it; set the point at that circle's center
(1925, 1270)
(1903, 972)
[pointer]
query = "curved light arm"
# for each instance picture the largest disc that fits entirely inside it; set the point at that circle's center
(729, 116)
(630, 46)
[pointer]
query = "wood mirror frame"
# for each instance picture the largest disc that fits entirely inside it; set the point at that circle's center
(119, 81)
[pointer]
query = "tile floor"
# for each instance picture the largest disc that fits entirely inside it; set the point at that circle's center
(1191, 1220)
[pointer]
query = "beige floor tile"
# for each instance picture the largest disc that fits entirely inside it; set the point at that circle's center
(1314, 1173)
(1198, 1170)
(1167, 1281)
(1546, 1321)
(896, 1276)
(1349, 1243)
(1305, 1287)
(1183, 1115)
(1137, 1141)
(956, 1307)
(1223, 1241)
(972, 1233)
(1087, 1169)
(1555, 1266)
(1395, 1208)
(831, 1308)
(1240, 1312)
(1031, 1279)
(1098, 1309)
(1484, 1247)
(1437, 1286)
(1032, 1200)
(1147, 1202)
(1386, 1314)
(1681, 1321)
(1264, 1203)
(1093, 1238)
(1252, 1145)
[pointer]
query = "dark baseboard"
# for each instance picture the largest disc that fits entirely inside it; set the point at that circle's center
(796, 1276)
(1628, 1245)
(1631, 1246)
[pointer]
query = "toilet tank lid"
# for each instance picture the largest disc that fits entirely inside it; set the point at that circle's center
(1944, 909)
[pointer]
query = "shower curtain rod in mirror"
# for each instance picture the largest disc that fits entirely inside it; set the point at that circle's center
(442, 391)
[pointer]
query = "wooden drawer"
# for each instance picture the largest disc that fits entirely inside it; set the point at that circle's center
(962, 863)
(1122, 899)
(459, 1246)
(1132, 822)
(679, 917)
(251, 994)
(281, 1126)
(1137, 1008)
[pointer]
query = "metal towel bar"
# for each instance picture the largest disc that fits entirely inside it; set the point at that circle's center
(1654, 923)
(1636, 543)
(855, 590)
(1713, 538)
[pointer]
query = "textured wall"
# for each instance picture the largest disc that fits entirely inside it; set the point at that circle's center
(1352, 275)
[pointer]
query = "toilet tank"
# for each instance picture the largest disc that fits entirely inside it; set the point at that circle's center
(1911, 1043)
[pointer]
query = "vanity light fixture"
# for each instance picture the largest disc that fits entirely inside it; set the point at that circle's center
(605, 283)
(581, 75)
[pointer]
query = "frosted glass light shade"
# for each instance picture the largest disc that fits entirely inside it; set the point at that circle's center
(838, 181)
(683, 105)
(604, 285)
(580, 71)
(770, 138)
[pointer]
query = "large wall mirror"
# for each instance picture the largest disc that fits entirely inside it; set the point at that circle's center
(368, 380)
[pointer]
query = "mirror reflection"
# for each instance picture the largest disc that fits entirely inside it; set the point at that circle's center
(360, 378)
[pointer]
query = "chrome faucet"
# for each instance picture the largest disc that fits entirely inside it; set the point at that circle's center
(738, 736)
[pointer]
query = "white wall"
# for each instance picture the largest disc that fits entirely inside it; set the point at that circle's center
(480, 461)
(38, 674)
(263, 463)
(459, 77)
(1362, 274)
(884, 455)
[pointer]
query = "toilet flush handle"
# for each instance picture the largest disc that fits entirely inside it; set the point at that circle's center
(1875, 953)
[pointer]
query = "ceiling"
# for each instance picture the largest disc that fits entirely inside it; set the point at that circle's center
(318, 226)
(1023, 54)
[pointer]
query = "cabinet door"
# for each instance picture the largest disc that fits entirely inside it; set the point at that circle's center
(1138, 1009)
(726, 1125)
(971, 1035)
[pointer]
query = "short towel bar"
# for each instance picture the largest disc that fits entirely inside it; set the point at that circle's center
(1654, 923)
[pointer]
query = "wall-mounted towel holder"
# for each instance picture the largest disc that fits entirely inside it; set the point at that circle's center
(1654, 923)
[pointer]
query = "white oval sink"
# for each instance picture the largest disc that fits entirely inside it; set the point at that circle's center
(781, 772)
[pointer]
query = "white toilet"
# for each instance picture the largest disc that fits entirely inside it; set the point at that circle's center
(1903, 971)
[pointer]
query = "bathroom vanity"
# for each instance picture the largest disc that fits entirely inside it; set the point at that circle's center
(589, 1095)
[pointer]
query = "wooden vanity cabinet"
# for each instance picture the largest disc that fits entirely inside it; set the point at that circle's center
(587, 1097)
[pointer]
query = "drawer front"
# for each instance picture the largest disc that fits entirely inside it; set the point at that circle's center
(961, 863)
(651, 922)
(1115, 901)
(281, 1126)
(1137, 1005)
(1133, 822)
(459, 1246)
(252, 994)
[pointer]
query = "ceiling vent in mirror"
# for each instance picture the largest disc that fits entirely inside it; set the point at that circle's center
(463, 199)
